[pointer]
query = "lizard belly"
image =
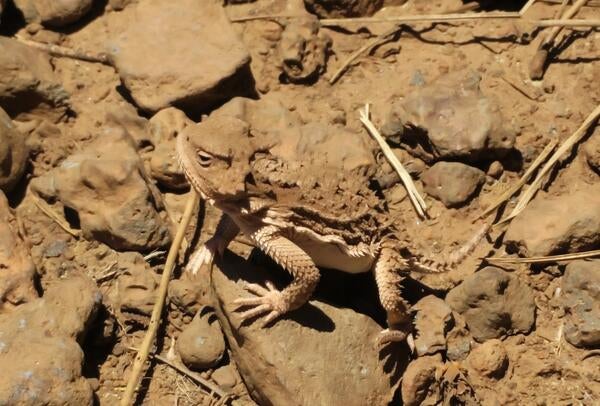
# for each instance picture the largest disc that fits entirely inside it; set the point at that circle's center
(331, 255)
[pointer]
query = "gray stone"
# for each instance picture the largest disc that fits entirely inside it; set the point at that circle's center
(494, 303)
(453, 183)
(581, 299)
(557, 224)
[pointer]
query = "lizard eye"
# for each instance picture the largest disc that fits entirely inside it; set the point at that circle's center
(204, 158)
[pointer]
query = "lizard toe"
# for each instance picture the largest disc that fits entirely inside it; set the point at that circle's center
(389, 336)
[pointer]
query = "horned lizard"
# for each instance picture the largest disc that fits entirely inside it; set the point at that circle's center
(303, 207)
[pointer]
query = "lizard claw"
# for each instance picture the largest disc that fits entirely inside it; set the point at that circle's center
(268, 300)
(203, 256)
(392, 335)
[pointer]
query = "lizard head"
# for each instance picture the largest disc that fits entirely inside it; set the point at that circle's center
(215, 156)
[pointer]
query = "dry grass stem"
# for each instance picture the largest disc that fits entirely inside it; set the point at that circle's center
(515, 188)
(566, 23)
(196, 377)
(550, 258)
(57, 50)
(62, 223)
(144, 350)
(327, 22)
(565, 147)
(413, 194)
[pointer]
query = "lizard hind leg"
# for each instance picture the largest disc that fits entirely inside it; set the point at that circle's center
(388, 276)
(270, 303)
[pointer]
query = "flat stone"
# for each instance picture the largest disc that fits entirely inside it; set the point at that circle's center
(55, 13)
(13, 153)
(178, 53)
(557, 224)
(581, 299)
(318, 354)
(494, 303)
(453, 183)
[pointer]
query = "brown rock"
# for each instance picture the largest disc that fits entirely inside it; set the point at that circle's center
(581, 299)
(557, 224)
(319, 354)
(494, 303)
(343, 8)
(419, 381)
(13, 153)
(164, 127)
(27, 79)
(201, 344)
(489, 359)
(453, 183)
(432, 321)
(55, 13)
(591, 152)
(107, 186)
(459, 121)
(154, 47)
(17, 271)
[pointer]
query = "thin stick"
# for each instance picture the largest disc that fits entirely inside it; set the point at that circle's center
(415, 198)
(515, 188)
(566, 146)
(140, 358)
(190, 374)
(56, 50)
(43, 206)
(327, 22)
(538, 62)
(369, 45)
(566, 23)
(549, 258)
(590, 3)
(526, 7)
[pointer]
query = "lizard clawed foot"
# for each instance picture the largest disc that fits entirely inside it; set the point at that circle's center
(393, 336)
(269, 300)
(204, 256)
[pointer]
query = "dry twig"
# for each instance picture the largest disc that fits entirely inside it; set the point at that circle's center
(56, 50)
(538, 62)
(140, 359)
(515, 188)
(542, 259)
(566, 146)
(413, 194)
(62, 223)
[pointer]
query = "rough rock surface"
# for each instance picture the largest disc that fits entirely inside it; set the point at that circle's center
(494, 303)
(459, 121)
(27, 79)
(303, 50)
(107, 186)
(453, 183)
(40, 357)
(591, 152)
(432, 321)
(301, 357)
(201, 344)
(154, 47)
(13, 153)
(489, 359)
(343, 8)
(419, 381)
(17, 271)
(557, 224)
(55, 13)
(164, 127)
(581, 299)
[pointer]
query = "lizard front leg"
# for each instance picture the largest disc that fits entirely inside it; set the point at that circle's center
(226, 231)
(388, 275)
(269, 301)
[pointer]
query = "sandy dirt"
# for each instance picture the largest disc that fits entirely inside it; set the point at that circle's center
(91, 195)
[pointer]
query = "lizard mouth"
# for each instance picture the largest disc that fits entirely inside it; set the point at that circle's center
(188, 165)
